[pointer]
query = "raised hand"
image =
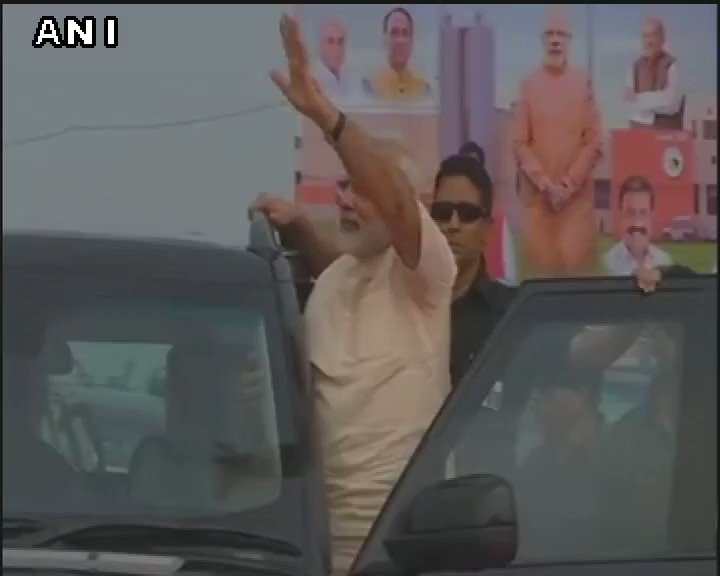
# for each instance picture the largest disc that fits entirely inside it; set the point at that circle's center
(300, 87)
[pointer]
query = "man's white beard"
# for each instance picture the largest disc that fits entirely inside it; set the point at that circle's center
(369, 240)
(556, 61)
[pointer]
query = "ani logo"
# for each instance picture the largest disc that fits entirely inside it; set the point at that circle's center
(76, 32)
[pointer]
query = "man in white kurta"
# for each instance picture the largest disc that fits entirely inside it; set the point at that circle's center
(378, 319)
(378, 337)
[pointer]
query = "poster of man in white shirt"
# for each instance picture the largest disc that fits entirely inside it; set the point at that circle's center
(652, 88)
(331, 70)
(637, 203)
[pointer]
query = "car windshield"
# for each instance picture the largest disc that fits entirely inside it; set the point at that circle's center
(136, 403)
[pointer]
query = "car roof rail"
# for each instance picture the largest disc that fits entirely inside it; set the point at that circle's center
(263, 237)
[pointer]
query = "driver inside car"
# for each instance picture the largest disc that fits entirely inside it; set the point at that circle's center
(213, 451)
(553, 482)
(641, 445)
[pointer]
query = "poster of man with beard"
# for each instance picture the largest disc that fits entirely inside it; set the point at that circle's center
(557, 143)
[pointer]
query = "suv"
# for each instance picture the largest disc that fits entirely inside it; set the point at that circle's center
(224, 478)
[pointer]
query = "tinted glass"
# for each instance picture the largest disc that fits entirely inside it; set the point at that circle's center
(590, 451)
(124, 405)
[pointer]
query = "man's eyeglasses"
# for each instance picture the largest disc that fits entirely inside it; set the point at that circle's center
(467, 212)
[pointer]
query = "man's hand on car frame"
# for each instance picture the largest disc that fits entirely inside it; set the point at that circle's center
(648, 278)
(281, 212)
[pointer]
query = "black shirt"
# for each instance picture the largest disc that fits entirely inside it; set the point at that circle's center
(474, 316)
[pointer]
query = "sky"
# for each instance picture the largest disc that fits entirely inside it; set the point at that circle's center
(173, 63)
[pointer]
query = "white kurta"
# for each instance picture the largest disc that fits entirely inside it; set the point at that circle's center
(378, 337)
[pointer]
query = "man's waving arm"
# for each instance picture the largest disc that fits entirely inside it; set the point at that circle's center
(431, 282)
(375, 176)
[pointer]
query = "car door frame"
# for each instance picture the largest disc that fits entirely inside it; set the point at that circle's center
(702, 289)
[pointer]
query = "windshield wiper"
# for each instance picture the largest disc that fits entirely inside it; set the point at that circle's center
(151, 538)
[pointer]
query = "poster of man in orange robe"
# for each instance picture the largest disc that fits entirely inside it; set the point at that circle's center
(557, 141)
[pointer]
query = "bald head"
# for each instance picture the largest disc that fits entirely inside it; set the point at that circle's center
(556, 39)
(333, 41)
(555, 20)
(653, 37)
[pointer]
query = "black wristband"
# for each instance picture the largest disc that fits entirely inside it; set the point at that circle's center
(339, 127)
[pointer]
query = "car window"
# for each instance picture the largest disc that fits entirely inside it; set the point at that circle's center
(586, 405)
(578, 444)
(175, 401)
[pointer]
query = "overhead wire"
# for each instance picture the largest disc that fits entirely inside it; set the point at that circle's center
(145, 126)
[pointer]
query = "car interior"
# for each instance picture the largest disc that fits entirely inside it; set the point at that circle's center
(502, 436)
(213, 416)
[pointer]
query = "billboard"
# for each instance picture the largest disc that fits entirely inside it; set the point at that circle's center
(635, 100)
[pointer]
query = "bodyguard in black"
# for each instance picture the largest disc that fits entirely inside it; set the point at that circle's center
(462, 208)
(474, 315)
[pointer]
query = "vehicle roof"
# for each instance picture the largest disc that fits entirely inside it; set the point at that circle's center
(135, 256)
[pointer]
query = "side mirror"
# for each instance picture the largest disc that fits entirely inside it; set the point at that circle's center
(463, 524)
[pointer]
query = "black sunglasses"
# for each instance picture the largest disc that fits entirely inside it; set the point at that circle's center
(467, 212)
